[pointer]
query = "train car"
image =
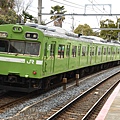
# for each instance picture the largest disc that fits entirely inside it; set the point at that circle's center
(35, 57)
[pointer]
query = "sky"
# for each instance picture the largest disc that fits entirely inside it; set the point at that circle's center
(78, 6)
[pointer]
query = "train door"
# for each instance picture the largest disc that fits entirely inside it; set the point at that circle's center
(44, 69)
(49, 58)
(52, 56)
(79, 53)
(90, 54)
(68, 54)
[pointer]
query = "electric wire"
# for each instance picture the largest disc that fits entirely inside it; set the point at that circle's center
(70, 5)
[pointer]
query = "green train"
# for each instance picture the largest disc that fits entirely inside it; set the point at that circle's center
(35, 57)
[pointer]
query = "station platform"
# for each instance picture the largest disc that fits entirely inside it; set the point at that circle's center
(111, 109)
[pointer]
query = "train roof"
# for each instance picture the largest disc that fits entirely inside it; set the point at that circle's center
(62, 33)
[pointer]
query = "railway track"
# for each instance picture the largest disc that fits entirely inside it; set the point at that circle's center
(42, 110)
(85, 106)
(9, 99)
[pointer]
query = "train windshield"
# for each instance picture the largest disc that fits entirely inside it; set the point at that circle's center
(20, 47)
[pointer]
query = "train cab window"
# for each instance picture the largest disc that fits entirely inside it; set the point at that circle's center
(32, 48)
(4, 45)
(99, 51)
(74, 50)
(78, 50)
(61, 49)
(52, 50)
(17, 47)
(84, 50)
(68, 51)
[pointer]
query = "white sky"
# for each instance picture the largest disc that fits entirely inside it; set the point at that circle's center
(78, 7)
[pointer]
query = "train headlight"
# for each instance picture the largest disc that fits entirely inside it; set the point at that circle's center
(31, 35)
(3, 34)
(35, 36)
(17, 28)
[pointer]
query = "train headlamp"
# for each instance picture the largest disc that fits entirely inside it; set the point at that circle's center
(3, 34)
(17, 28)
(31, 35)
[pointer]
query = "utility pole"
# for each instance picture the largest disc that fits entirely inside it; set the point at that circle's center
(39, 11)
(72, 23)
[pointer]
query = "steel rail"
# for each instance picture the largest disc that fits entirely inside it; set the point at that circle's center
(52, 117)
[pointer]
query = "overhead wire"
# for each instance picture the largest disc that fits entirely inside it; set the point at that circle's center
(82, 7)
(98, 9)
(72, 5)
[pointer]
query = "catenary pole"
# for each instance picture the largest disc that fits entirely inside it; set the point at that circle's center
(39, 11)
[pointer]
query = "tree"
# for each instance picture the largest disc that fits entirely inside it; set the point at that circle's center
(84, 29)
(58, 19)
(109, 34)
(21, 10)
(7, 13)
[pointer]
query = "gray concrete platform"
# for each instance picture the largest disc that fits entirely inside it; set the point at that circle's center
(111, 109)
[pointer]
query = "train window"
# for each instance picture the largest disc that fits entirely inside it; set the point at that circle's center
(118, 51)
(61, 49)
(74, 50)
(32, 48)
(45, 50)
(17, 47)
(104, 52)
(109, 50)
(20, 47)
(78, 50)
(52, 50)
(68, 51)
(83, 50)
(4, 45)
(113, 51)
(92, 51)
(99, 51)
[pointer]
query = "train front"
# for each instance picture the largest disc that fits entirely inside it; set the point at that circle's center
(20, 60)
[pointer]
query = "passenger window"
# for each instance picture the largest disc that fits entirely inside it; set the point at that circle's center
(113, 51)
(99, 51)
(104, 51)
(45, 50)
(74, 50)
(68, 51)
(92, 51)
(109, 50)
(78, 50)
(83, 50)
(61, 49)
(118, 50)
(52, 50)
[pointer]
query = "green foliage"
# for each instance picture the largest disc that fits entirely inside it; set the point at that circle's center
(7, 13)
(84, 29)
(27, 16)
(59, 18)
(109, 34)
(8, 18)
